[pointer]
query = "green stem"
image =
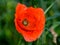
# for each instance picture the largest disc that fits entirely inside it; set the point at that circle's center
(28, 43)
(21, 41)
(49, 7)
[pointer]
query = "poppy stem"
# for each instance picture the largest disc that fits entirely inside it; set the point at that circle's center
(28, 43)
(21, 41)
(49, 7)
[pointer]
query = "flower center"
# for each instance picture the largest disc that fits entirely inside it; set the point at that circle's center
(25, 22)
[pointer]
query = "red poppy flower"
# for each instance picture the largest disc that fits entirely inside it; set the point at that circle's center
(29, 22)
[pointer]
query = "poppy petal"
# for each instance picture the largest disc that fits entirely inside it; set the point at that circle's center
(20, 9)
(35, 19)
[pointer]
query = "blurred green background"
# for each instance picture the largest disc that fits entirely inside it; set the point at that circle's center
(8, 33)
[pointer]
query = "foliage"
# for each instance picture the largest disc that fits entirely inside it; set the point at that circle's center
(8, 33)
